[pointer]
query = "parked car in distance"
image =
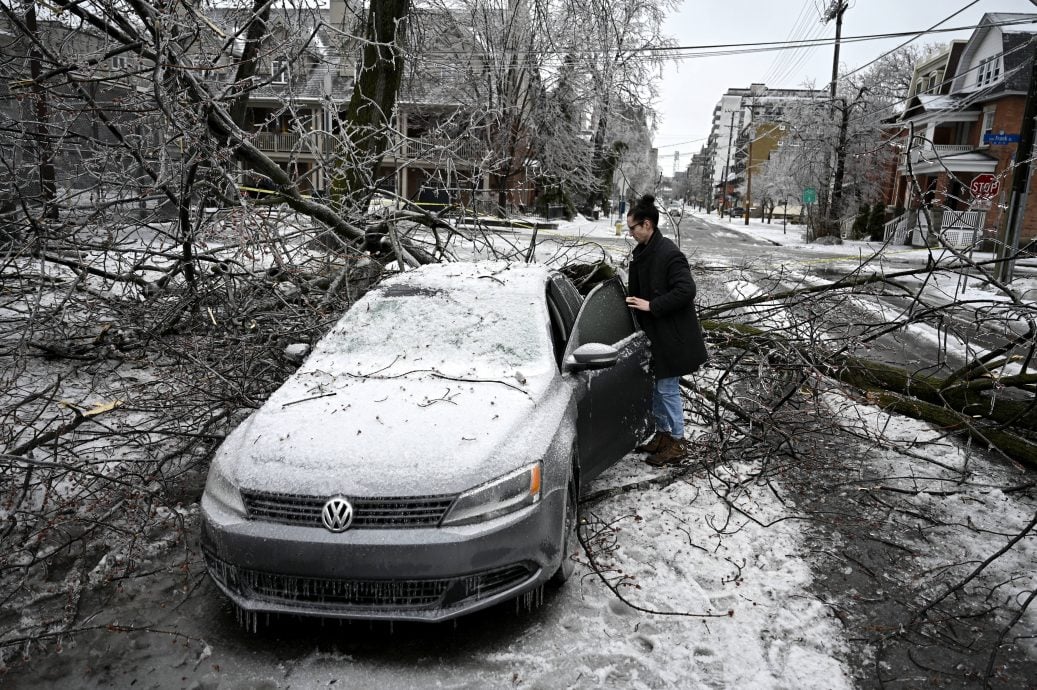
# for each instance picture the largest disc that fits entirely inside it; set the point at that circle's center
(737, 212)
(426, 460)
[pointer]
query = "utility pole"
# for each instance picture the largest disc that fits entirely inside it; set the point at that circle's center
(756, 90)
(727, 165)
(1009, 244)
(835, 11)
(840, 158)
(749, 177)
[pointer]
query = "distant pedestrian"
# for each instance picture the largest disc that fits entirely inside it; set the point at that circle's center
(662, 292)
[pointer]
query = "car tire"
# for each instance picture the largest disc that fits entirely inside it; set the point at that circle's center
(570, 538)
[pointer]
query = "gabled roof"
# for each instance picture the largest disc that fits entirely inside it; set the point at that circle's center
(926, 106)
(1015, 30)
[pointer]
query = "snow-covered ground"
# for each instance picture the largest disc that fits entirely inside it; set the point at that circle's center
(715, 578)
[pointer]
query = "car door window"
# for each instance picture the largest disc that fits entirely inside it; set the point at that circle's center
(559, 328)
(604, 317)
(566, 299)
(614, 403)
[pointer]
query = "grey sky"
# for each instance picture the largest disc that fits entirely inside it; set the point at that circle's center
(692, 87)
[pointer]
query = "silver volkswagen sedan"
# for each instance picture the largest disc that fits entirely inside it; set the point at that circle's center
(427, 458)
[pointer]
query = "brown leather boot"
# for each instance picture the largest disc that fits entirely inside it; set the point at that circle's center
(672, 453)
(657, 443)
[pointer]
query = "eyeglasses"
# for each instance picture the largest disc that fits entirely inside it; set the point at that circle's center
(635, 226)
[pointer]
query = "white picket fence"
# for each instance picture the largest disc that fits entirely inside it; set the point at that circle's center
(959, 229)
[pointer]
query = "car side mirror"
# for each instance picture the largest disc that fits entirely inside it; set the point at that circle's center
(592, 356)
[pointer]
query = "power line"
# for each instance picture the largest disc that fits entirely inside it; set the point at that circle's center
(681, 143)
(795, 33)
(723, 49)
(910, 40)
(804, 55)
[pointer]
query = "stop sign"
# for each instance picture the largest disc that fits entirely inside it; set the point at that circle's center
(985, 186)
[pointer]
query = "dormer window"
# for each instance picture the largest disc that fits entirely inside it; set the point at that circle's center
(279, 72)
(989, 71)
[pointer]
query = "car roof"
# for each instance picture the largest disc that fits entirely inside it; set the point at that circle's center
(476, 277)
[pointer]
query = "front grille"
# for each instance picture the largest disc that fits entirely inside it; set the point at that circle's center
(412, 595)
(386, 513)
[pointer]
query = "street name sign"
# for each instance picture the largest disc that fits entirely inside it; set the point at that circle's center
(1000, 139)
(985, 186)
(809, 195)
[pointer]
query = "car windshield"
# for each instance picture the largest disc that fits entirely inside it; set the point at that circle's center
(437, 328)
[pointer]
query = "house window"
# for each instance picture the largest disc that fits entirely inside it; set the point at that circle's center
(989, 71)
(279, 72)
(988, 124)
(119, 62)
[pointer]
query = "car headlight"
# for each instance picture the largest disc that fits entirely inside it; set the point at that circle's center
(221, 489)
(508, 493)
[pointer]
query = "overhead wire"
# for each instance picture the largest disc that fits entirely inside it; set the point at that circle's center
(666, 53)
(905, 43)
(797, 31)
(799, 57)
(804, 55)
(681, 143)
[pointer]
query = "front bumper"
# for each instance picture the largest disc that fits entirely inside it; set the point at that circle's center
(418, 574)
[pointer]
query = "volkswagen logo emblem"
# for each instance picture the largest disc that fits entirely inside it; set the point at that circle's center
(337, 514)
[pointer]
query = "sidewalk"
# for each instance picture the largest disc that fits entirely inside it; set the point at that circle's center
(792, 236)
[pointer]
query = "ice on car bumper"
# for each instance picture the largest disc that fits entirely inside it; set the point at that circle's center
(424, 574)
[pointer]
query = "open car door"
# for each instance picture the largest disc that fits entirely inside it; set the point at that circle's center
(614, 402)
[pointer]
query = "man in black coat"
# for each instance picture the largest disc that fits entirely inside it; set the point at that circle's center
(662, 291)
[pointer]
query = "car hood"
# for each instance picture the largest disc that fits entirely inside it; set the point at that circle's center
(416, 433)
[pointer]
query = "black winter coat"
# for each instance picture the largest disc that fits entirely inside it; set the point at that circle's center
(659, 273)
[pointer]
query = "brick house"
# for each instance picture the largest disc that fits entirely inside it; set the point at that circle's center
(307, 76)
(962, 120)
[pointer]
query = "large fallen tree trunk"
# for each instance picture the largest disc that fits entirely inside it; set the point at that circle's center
(995, 436)
(965, 406)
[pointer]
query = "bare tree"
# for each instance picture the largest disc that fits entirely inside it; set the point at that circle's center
(154, 312)
(369, 114)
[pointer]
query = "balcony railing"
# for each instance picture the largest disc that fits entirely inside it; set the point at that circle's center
(439, 150)
(409, 149)
(293, 142)
(929, 152)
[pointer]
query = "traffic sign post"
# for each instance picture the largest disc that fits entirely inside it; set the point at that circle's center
(985, 186)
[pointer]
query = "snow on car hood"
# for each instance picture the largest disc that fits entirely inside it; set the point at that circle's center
(430, 384)
(418, 434)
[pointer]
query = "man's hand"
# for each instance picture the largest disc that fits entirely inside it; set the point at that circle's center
(638, 303)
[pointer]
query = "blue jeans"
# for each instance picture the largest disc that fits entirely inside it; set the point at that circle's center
(667, 406)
